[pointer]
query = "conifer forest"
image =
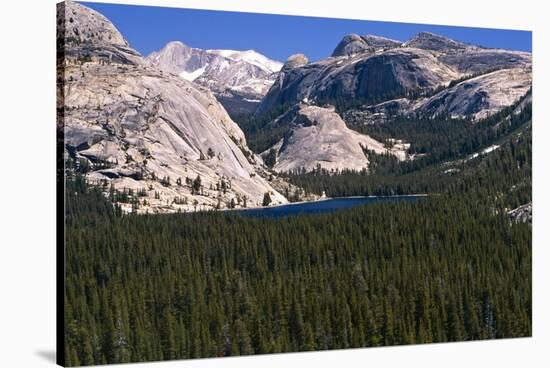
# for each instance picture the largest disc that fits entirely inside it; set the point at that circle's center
(451, 267)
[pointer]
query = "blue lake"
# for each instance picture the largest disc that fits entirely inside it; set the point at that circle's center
(322, 206)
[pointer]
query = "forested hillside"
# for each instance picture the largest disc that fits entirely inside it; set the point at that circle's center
(451, 159)
(448, 268)
(141, 145)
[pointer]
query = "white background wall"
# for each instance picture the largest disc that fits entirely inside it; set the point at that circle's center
(27, 181)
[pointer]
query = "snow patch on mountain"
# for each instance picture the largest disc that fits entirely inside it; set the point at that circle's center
(191, 76)
(236, 77)
(251, 57)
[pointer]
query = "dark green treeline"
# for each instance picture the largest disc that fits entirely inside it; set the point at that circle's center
(448, 268)
(187, 286)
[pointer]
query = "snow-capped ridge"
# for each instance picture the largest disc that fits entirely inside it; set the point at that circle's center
(250, 56)
(238, 78)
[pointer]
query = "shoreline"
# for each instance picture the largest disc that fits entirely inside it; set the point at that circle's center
(316, 201)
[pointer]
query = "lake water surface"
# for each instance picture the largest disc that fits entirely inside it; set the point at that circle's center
(322, 206)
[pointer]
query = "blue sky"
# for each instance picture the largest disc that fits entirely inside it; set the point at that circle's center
(148, 29)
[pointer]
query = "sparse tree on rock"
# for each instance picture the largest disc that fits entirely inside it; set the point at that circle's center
(267, 199)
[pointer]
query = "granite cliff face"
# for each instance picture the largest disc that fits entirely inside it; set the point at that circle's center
(364, 76)
(239, 79)
(479, 61)
(349, 45)
(319, 138)
(140, 128)
(476, 98)
(158, 125)
(370, 79)
(371, 70)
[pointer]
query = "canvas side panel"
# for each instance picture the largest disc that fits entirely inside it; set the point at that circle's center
(60, 188)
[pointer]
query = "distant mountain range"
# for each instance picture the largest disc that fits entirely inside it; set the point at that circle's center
(370, 79)
(239, 79)
(156, 124)
(370, 70)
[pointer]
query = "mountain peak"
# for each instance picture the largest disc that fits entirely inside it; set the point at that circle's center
(176, 45)
(80, 24)
(350, 44)
(380, 41)
(429, 35)
(79, 27)
(238, 78)
(251, 57)
(434, 42)
(145, 125)
(295, 61)
(355, 44)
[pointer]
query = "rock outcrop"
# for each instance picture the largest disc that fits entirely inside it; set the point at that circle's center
(367, 76)
(142, 129)
(354, 44)
(368, 71)
(476, 61)
(318, 137)
(476, 98)
(522, 214)
(434, 42)
(351, 44)
(480, 96)
(89, 36)
(295, 61)
(379, 42)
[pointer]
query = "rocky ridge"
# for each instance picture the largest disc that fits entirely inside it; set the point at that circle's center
(239, 79)
(370, 70)
(354, 44)
(366, 76)
(478, 97)
(319, 138)
(145, 131)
